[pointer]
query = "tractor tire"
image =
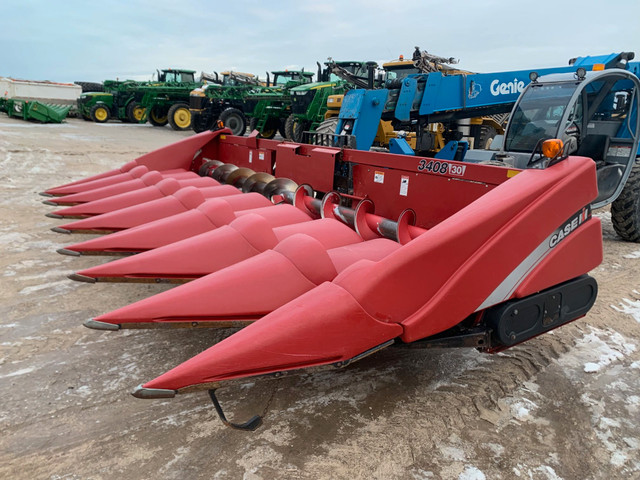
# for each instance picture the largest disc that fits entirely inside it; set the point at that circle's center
(90, 86)
(294, 128)
(135, 112)
(268, 133)
(200, 123)
(100, 113)
(298, 130)
(180, 116)
(235, 120)
(625, 210)
(289, 125)
(281, 129)
(158, 117)
(327, 127)
(483, 140)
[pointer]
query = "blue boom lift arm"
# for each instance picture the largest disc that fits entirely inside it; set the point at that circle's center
(433, 97)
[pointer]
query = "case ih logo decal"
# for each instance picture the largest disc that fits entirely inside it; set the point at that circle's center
(570, 225)
(441, 168)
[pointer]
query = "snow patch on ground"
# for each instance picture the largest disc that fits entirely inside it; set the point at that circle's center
(422, 475)
(629, 307)
(177, 456)
(471, 473)
(36, 125)
(257, 458)
(126, 125)
(22, 371)
(522, 408)
(83, 391)
(84, 138)
(635, 254)
(59, 287)
(599, 349)
(453, 453)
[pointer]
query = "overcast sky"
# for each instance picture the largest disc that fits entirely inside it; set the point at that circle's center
(70, 40)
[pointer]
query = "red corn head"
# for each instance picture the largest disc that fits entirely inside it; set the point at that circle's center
(211, 214)
(174, 158)
(141, 196)
(248, 290)
(146, 180)
(134, 173)
(303, 333)
(209, 252)
(184, 200)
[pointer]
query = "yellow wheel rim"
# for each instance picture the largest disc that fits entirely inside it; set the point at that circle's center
(158, 118)
(269, 132)
(101, 114)
(182, 118)
(138, 113)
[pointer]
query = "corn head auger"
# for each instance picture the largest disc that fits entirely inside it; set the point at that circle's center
(326, 255)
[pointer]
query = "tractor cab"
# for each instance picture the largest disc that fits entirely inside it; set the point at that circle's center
(233, 79)
(172, 75)
(397, 70)
(290, 78)
(346, 70)
(593, 114)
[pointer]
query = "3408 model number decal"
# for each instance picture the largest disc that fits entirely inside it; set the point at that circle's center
(441, 168)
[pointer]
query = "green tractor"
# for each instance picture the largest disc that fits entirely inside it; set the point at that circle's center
(114, 101)
(223, 99)
(269, 107)
(121, 100)
(168, 102)
(309, 101)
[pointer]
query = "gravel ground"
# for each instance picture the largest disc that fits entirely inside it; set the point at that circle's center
(562, 406)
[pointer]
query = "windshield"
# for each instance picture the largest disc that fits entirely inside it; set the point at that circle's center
(230, 81)
(400, 73)
(354, 68)
(282, 79)
(537, 115)
(176, 77)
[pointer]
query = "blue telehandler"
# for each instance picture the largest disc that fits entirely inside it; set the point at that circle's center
(590, 106)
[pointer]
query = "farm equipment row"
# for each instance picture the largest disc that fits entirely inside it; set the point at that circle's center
(325, 255)
(129, 100)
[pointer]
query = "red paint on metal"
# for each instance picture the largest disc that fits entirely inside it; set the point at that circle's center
(254, 287)
(209, 215)
(209, 252)
(303, 333)
(148, 179)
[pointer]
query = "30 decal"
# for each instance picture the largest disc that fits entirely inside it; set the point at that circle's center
(441, 168)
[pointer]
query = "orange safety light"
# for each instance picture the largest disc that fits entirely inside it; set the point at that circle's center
(401, 57)
(552, 148)
(220, 124)
(598, 67)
